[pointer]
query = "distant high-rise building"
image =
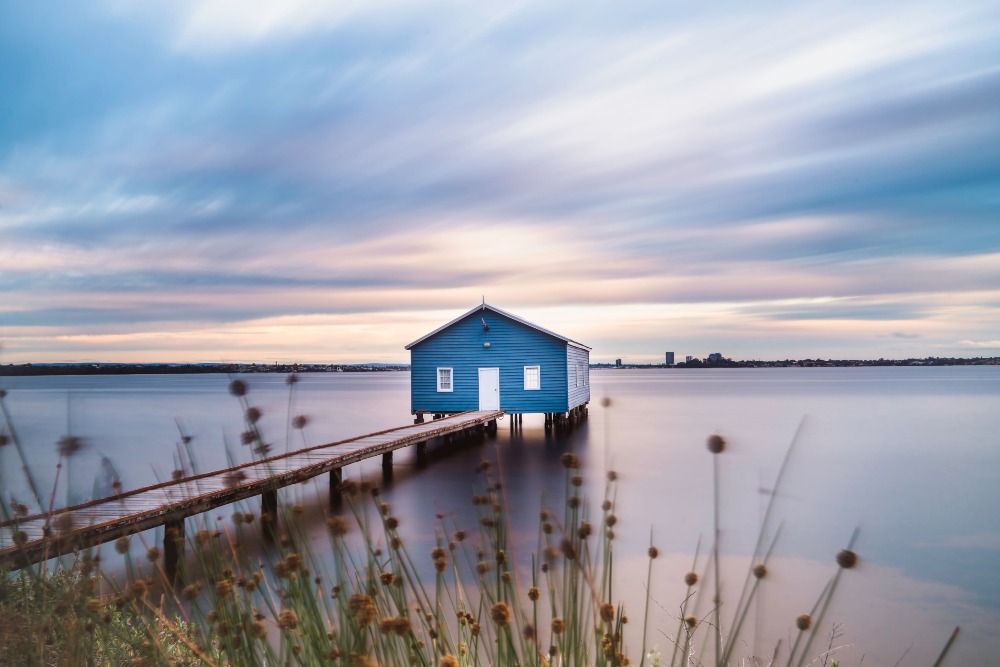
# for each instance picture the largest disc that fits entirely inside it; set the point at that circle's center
(618, 363)
(688, 358)
(670, 358)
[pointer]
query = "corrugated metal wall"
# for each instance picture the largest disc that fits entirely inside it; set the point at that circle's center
(512, 347)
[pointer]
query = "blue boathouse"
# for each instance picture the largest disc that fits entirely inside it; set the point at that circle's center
(488, 359)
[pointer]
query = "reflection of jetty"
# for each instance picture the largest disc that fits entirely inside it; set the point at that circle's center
(38, 537)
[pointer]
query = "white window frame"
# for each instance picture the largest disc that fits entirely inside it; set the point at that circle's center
(451, 379)
(579, 375)
(538, 378)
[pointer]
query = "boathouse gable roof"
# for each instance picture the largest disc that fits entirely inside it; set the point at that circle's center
(515, 318)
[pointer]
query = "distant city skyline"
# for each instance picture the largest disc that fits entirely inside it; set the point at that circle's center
(316, 182)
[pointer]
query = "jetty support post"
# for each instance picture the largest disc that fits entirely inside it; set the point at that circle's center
(269, 514)
(422, 453)
(173, 550)
(336, 479)
(387, 466)
(419, 419)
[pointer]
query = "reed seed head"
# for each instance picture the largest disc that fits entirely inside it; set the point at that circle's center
(121, 545)
(68, 445)
(558, 625)
(363, 609)
(3, 439)
(533, 594)
(691, 578)
(606, 402)
(691, 621)
(337, 525)
(253, 415)
(192, 591)
(258, 630)
(585, 530)
(139, 589)
(448, 661)
(847, 559)
(716, 444)
(299, 422)
(760, 571)
(292, 378)
(576, 480)
(459, 535)
(153, 554)
(293, 562)
(607, 612)
(440, 558)
(501, 614)
(238, 388)
(606, 505)
(401, 626)
(803, 622)
(288, 619)
(653, 553)
(567, 549)
(224, 587)
(569, 461)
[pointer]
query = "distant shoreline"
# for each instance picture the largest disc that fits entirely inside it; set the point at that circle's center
(190, 369)
(13, 370)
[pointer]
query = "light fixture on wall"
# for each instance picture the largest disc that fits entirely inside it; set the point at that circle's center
(486, 344)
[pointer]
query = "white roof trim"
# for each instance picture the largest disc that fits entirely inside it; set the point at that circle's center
(487, 306)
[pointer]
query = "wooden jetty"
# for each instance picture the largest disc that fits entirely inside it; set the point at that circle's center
(34, 538)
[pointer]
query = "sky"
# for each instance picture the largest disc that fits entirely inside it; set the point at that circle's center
(323, 182)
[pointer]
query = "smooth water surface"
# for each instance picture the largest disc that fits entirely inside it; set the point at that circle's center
(910, 455)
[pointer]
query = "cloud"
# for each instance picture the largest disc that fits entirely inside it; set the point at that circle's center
(983, 344)
(223, 163)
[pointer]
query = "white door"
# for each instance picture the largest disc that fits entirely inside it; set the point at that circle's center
(489, 388)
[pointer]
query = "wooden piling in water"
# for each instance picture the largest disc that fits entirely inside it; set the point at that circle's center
(269, 514)
(336, 479)
(387, 466)
(173, 550)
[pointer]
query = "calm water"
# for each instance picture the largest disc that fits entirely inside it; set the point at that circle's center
(909, 454)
